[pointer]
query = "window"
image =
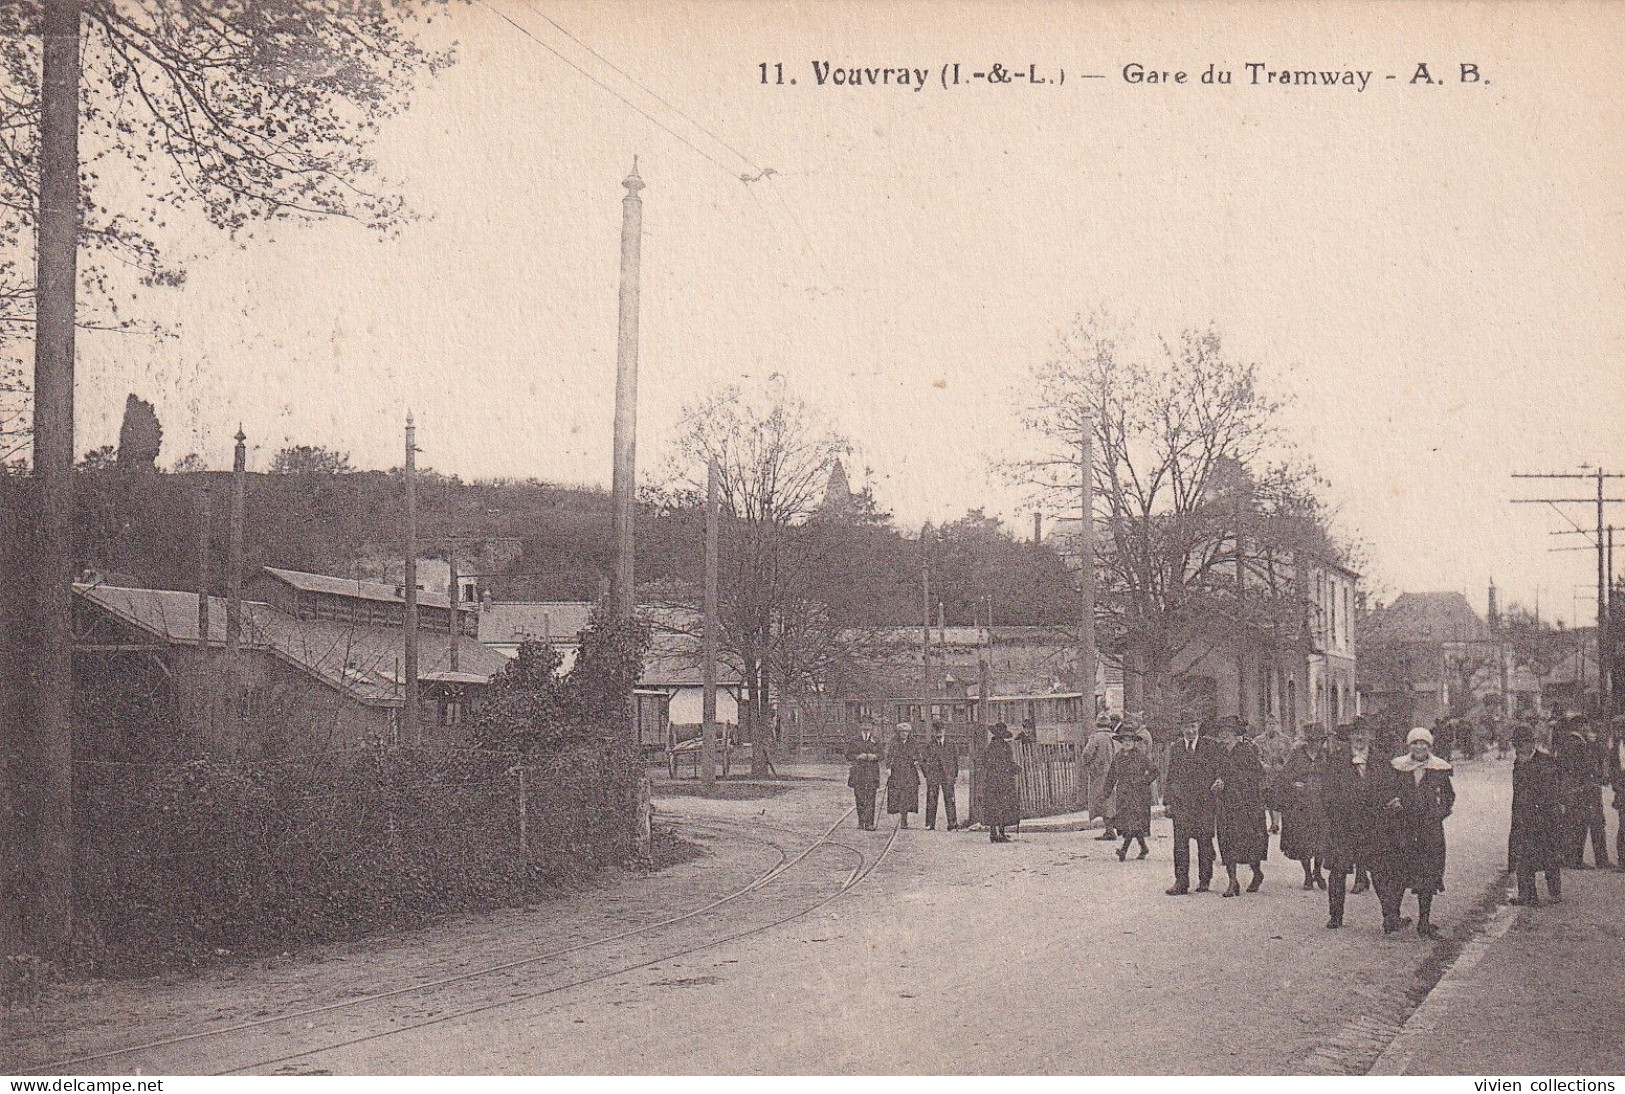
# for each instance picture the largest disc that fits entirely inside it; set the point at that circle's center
(252, 701)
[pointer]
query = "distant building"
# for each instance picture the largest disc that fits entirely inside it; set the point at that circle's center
(320, 664)
(1431, 655)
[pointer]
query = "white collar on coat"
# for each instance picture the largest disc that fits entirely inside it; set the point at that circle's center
(1432, 763)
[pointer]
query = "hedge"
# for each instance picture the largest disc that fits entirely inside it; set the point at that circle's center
(179, 864)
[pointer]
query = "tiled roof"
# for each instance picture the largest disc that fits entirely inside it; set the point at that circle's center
(362, 660)
(1428, 617)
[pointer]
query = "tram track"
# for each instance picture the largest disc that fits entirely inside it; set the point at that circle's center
(515, 979)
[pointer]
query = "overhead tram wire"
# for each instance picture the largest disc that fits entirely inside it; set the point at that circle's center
(650, 118)
(755, 167)
(758, 173)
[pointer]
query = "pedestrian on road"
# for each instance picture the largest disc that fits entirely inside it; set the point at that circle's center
(1616, 778)
(1538, 832)
(1001, 797)
(903, 774)
(1410, 833)
(1273, 748)
(1349, 805)
(1503, 738)
(1303, 827)
(1585, 771)
(939, 762)
(1193, 765)
(1130, 778)
(1243, 837)
(1097, 760)
(864, 776)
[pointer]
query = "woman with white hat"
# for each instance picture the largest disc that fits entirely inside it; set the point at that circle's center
(1410, 833)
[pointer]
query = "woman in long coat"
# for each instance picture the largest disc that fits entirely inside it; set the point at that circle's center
(1536, 843)
(1130, 777)
(1303, 826)
(1242, 831)
(903, 779)
(1001, 798)
(1410, 832)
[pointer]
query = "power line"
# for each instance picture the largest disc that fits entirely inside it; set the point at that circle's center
(754, 166)
(656, 122)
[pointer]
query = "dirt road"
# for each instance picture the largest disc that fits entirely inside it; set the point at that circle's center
(869, 952)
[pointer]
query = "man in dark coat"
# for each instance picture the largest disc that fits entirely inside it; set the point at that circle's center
(903, 776)
(1537, 840)
(1242, 827)
(939, 762)
(1349, 804)
(864, 777)
(1585, 773)
(1616, 778)
(1409, 841)
(1303, 825)
(1001, 792)
(1193, 765)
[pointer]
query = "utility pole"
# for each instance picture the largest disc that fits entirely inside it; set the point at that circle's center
(624, 478)
(925, 609)
(203, 707)
(455, 595)
(56, 279)
(410, 732)
(1604, 637)
(234, 570)
(708, 698)
(1087, 655)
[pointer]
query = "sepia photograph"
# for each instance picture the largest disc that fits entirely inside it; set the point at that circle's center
(820, 538)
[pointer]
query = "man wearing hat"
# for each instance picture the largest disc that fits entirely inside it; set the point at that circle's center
(1536, 842)
(1350, 814)
(939, 762)
(903, 778)
(1303, 827)
(1410, 833)
(1097, 760)
(863, 756)
(1193, 764)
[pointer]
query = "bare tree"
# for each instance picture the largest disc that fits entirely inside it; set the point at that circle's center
(1207, 518)
(780, 625)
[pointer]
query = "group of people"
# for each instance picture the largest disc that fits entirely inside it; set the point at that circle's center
(1354, 804)
(1557, 802)
(1345, 806)
(934, 765)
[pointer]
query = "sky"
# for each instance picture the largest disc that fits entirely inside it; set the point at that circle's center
(1432, 273)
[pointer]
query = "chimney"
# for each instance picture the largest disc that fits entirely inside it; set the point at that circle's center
(1495, 608)
(1038, 526)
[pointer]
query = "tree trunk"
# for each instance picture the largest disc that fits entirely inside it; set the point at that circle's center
(761, 729)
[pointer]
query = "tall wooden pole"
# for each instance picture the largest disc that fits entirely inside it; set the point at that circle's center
(708, 699)
(624, 484)
(1087, 654)
(455, 596)
(410, 732)
(234, 549)
(55, 303)
(925, 609)
(203, 706)
(1604, 669)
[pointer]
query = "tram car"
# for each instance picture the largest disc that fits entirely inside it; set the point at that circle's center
(1047, 719)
